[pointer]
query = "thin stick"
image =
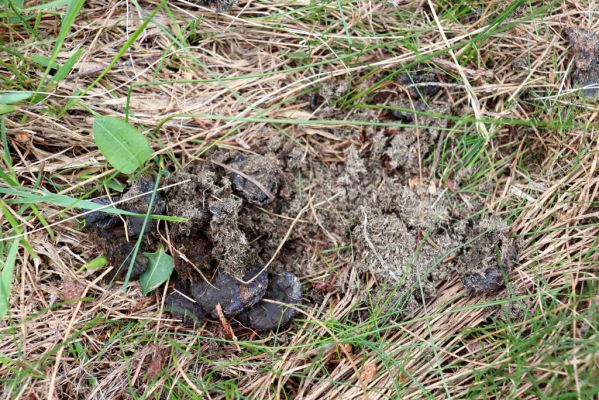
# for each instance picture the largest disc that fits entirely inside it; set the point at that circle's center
(226, 326)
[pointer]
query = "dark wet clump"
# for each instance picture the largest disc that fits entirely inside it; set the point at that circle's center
(134, 200)
(315, 101)
(421, 82)
(233, 295)
(100, 219)
(405, 115)
(250, 303)
(488, 258)
(144, 188)
(585, 45)
(487, 281)
(182, 306)
(256, 180)
(116, 238)
(120, 253)
(283, 288)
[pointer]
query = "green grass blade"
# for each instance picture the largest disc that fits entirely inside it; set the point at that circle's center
(6, 277)
(66, 68)
(67, 22)
(24, 196)
(118, 55)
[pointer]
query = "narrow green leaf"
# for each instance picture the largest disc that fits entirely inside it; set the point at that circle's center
(160, 268)
(15, 7)
(74, 98)
(43, 7)
(25, 196)
(14, 223)
(68, 19)
(298, 55)
(10, 172)
(43, 221)
(47, 6)
(14, 97)
(43, 61)
(6, 277)
(143, 228)
(124, 147)
(132, 38)
(67, 67)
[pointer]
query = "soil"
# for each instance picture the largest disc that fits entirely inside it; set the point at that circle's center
(409, 234)
(585, 46)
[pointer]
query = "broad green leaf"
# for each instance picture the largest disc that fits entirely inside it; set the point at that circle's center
(160, 268)
(7, 108)
(6, 277)
(15, 97)
(125, 148)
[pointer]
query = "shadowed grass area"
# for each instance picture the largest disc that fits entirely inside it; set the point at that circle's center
(195, 81)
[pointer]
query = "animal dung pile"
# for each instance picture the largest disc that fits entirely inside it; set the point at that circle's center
(247, 238)
(217, 268)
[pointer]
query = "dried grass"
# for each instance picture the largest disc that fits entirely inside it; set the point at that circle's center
(544, 176)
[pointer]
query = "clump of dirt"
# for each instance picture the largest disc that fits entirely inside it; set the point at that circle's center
(215, 261)
(585, 45)
(488, 257)
(213, 199)
(419, 239)
(247, 174)
(137, 199)
(230, 247)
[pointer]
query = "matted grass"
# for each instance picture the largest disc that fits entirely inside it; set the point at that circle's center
(519, 137)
